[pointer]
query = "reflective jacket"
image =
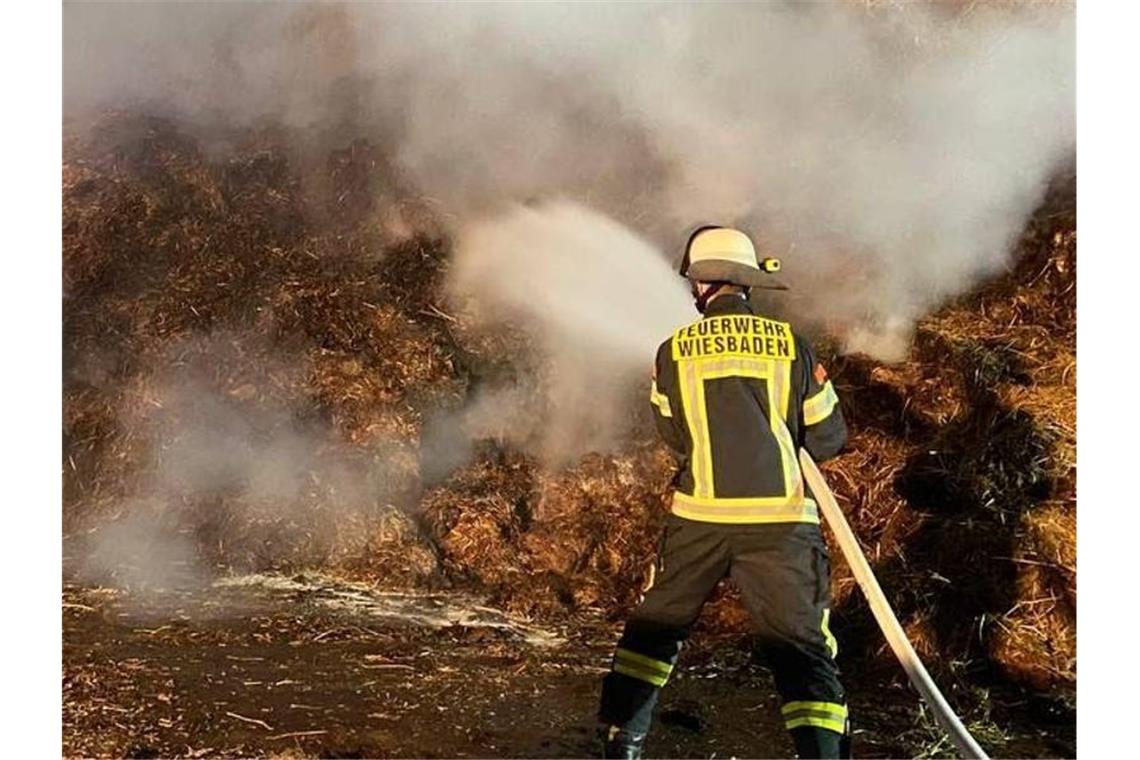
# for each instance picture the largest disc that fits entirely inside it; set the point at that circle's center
(736, 395)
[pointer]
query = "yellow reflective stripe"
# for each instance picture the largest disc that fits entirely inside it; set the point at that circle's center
(817, 721)
(831, 708)
(819, 407)
(829, 715)
(639, 674)
(783, 379)
(643, 661)
(776, 509)
(779, 390)
(825, 626)
(776, 423)
(698, 372)
(706, 436)
(696, 418)
(660, 400)
(777, 376)
(745, 501)
(716, 367)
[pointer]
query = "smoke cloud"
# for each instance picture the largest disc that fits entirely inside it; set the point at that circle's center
(889, 154)
(228, 474)
(597, 297)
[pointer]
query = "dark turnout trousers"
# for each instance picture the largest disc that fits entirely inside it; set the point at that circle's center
(782, 570)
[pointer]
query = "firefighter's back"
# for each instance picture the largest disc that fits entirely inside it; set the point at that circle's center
(736, 383)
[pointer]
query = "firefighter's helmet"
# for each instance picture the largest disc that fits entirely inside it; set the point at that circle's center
(722, 254)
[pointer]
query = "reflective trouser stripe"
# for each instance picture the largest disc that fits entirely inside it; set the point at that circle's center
(829, 715)
(730, 510)
(818, 407)
(641, 667)
(641, 675)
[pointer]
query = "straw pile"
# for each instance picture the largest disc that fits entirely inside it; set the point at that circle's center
(961, 479)
(544, 542)
(278, 291)
(197, 294)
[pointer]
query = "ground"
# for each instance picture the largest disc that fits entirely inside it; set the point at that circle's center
(310, 666)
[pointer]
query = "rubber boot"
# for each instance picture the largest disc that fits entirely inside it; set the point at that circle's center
(812, 742)
(845, 744)
(619, 743)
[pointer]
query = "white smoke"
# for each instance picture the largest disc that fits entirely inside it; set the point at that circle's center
(142, 551)
(889, 153)
(222, 454)
(596, 296)
(580, 276)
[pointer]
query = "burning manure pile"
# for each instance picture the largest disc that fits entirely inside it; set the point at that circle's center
(262, 373)
(546, 542)
(961, 474)
(234, 381)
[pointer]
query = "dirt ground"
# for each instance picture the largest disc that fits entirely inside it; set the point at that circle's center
(310, 666)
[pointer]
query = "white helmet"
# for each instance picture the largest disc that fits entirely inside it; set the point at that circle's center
(723, 254)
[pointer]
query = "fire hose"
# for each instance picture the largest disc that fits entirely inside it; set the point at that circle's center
(885, 616)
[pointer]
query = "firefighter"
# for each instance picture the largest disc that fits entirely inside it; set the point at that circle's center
(736, 394)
